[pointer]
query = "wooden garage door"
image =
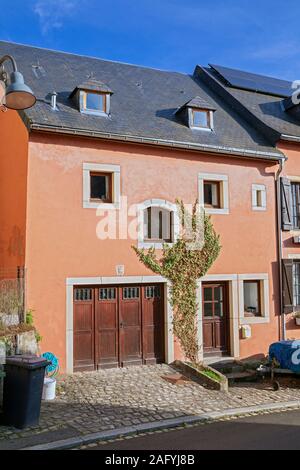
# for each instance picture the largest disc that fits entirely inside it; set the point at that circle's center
(118, 326)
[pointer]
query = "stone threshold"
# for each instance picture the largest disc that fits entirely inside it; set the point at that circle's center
(164, 424)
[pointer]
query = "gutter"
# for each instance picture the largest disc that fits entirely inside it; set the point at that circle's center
(292, 138)
(233, 151)
(279, 246)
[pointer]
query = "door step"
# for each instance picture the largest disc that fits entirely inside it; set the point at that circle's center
(235, 371)
(245, 376)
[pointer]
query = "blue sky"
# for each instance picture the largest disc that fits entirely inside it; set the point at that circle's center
(261, 36)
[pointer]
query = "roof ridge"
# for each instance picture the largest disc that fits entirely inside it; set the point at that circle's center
(94, 58)
(249, 73)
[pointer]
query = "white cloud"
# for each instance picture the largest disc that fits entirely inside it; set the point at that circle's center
(52, 13)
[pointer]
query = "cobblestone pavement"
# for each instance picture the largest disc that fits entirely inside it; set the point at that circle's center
(98, 401)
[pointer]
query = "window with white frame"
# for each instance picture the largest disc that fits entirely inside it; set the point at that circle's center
(92, 102)
(158, 223)
(158, 226)
(254, 298)
(259, 197)
(101, 186)
(213, 193)
(201, 119)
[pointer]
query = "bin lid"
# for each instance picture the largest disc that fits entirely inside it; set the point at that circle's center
(27, 361)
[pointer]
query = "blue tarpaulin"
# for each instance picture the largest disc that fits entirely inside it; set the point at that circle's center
(287, 354)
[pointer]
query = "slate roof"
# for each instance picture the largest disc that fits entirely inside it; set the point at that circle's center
(92, 85)
(199, 102)
(268, 109)
(143, 105)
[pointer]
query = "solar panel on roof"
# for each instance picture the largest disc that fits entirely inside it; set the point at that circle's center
(254, 82)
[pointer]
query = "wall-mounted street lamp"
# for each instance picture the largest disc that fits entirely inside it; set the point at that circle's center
(17, 94)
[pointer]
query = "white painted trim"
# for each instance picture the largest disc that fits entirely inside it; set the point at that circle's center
(169, 334)
(200, 322)
(294, 256)
(92, 281)
(81, 281)
(264, 291)
(163, 204)
(262, 188)
(69, 329)
(223, 179)
(91, 111)
(234, 318)
(197, 128)
(101, 167)
(86, 185)
(219, 277)
(233, 311)
(253, 277)
(296, 179)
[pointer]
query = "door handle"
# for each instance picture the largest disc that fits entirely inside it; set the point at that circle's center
(121, 324)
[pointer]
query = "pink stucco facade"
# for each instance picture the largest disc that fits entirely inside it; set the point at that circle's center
(61, 240)
(289, 248)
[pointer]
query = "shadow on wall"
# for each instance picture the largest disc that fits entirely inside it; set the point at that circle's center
(254, 358)
(290, 324)
(289, 243)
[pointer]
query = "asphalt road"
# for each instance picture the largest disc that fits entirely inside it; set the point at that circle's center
(276, 431)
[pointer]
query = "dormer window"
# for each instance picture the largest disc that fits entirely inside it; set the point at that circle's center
(197, 114)
(92, 97)
(94, 102)
(201, 118)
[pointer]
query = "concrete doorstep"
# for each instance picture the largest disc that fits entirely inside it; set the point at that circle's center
(163, 424)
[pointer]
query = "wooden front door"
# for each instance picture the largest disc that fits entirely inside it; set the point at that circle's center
(215, 318)
(106, 327)
(130, 325)
(118, 326)
(84, 327)
(153, 324)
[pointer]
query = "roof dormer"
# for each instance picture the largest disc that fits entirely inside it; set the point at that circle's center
(197, 114)
(92, 97)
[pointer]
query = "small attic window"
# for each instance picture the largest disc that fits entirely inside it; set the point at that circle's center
(201, 118)
(198, 113)
(92, 97)
(94, 102)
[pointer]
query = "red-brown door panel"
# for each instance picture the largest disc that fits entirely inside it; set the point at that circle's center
(153, 324)
(106, 331)
(208, 336)
(215, 310)
(130, 325)
(83, 335)
(118, 326)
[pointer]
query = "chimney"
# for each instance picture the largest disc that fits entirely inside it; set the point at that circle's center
(53, 100)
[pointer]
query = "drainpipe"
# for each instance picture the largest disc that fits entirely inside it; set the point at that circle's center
(279, 245)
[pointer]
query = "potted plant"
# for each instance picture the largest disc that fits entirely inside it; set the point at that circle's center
(297, 317)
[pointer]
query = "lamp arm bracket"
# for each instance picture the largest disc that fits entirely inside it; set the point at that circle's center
(12, 60)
